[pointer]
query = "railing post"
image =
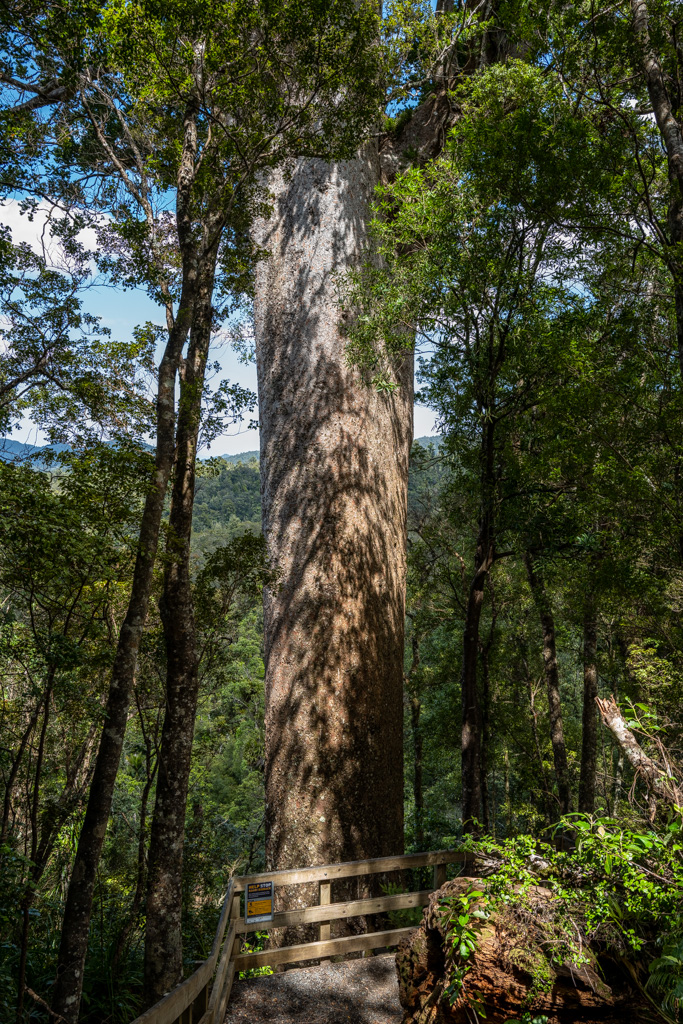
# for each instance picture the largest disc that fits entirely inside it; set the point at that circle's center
(324, 899)
(439, 875)
(235, 916)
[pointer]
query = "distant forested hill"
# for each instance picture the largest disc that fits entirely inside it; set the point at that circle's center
(228, 497)
(426, 472)
(227, 501)
(228, 494)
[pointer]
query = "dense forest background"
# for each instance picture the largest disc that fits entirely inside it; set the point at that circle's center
(43, 625)
(224, 827)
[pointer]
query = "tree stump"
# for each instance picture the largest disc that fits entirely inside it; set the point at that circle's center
(511, 973)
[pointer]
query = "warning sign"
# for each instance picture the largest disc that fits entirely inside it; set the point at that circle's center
(258, 902)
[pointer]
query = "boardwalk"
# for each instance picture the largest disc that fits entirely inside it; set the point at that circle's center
(361, 991)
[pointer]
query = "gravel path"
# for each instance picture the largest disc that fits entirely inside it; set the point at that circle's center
(361, 991)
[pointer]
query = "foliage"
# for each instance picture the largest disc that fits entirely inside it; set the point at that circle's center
(260, 942)
(618, 888)
(59, 361)
(463, 919)
(229, 490)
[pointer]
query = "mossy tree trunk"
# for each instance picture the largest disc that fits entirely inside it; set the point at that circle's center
(552, 678)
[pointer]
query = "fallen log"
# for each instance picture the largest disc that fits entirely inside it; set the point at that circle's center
(658, 778)
(512, 971)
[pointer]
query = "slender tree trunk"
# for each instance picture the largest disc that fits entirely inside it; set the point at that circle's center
(415, 713)
(471, 709)
(14, 769)
(471, 731)
(68, 986)
(606, 776)
(589, 741)
(35, 869)
(163, 929)
(141, 875)
(78, 909)
(412, 688)
(617, 757)
(334, 469)
(485, 735)
(552, 683)
(494, 802)
(508, 801)
(547, 795)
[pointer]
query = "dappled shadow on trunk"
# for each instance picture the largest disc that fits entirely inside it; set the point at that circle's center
(334, 465)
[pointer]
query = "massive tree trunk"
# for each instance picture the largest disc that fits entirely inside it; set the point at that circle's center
(589, 740)
(163, 926)
(334, 468)
(552, 678)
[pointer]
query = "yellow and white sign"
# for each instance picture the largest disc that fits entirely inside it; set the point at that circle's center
(258, 902)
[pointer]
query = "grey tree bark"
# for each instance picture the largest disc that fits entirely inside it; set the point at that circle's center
(552, 678)
(334, 469)
(163, 959)
(589, 735)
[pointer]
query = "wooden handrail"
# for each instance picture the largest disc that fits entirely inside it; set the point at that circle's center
(354, 868)
(313, 950)
(341, 911)
(190, 1003)
(177, 1001)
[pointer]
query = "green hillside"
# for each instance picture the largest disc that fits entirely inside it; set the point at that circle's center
(228, 490)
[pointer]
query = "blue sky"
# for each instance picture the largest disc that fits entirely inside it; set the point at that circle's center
(121, 311)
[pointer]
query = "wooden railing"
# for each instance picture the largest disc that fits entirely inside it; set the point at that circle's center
(190, 1002)
(197, 1001)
